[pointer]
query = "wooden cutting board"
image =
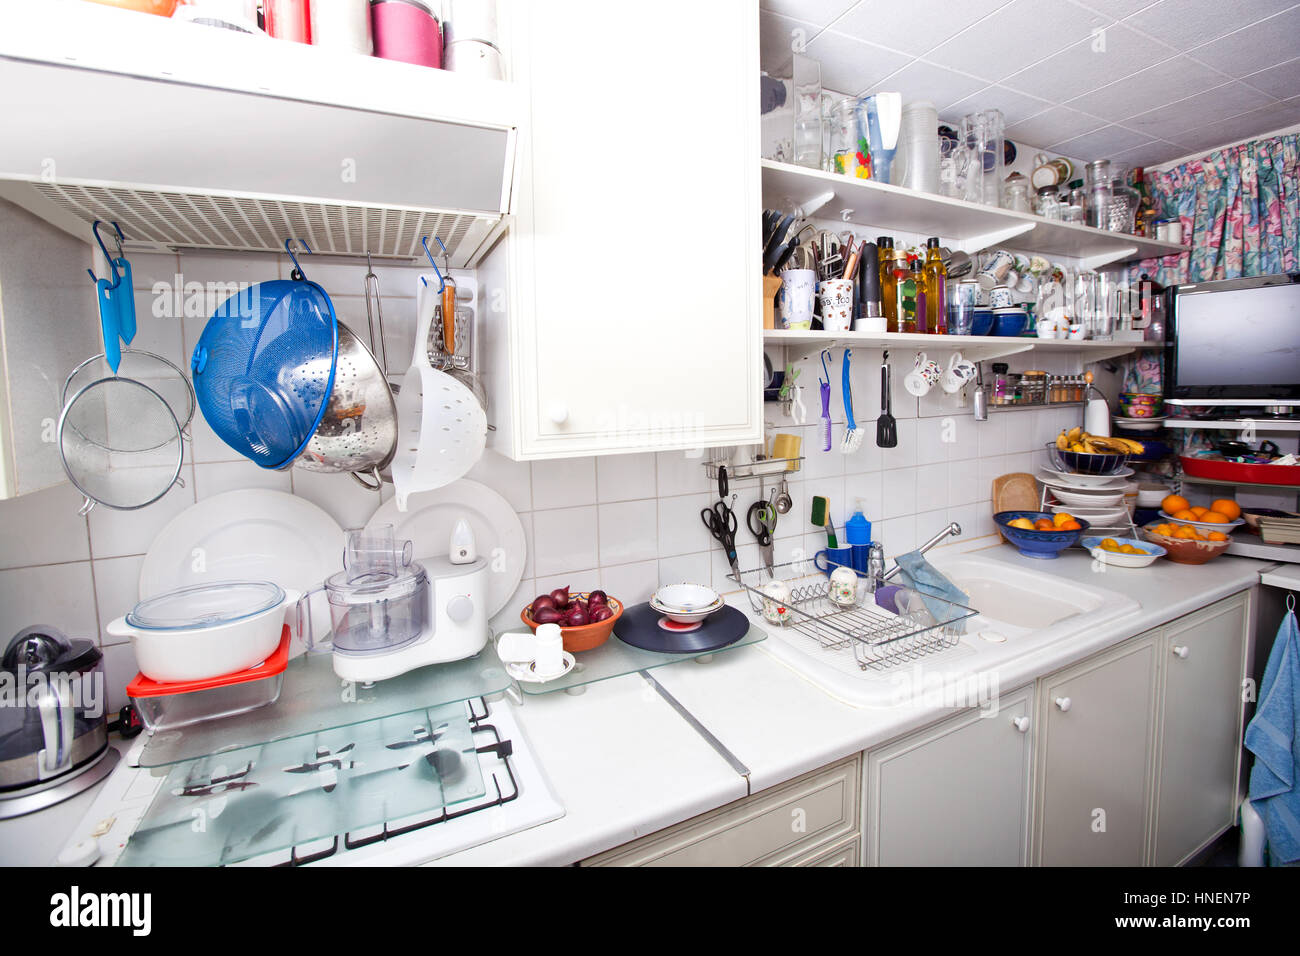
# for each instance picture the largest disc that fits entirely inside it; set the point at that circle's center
(1017, 491)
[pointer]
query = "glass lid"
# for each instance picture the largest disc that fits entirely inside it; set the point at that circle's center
(205, 605)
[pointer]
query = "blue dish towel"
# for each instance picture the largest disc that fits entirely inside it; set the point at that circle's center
(919, 574)
(1273, 736)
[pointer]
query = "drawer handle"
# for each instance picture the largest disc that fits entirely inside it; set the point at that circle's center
(1021, 724)
(1181, 651)
(558, 414)
(1063, 703)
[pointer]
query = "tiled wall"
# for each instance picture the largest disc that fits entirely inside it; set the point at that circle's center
(624, 523)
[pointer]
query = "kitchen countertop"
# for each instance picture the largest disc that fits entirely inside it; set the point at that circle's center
(624, 764)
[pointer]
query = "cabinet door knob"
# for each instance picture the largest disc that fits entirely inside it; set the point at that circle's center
(1021, 724)
(558, 414)
(1180, 651)
(1063, 703)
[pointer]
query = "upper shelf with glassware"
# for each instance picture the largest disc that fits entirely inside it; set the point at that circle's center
(969, 226)
(193, 137)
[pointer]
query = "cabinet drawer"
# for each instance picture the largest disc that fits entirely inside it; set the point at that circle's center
(786, 825)
(846, 853)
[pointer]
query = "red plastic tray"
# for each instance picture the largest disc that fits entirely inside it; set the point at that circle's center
(143, 686)
(1246, 474)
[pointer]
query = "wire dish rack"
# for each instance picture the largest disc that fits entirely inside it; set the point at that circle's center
(878, 638)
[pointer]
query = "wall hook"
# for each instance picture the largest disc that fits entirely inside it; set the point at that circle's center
(442, 282)
(297, 274)
(121, 254)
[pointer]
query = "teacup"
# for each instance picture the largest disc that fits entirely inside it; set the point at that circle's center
(844, 587)
(776, 602)
(959, 372)
(1002, 297)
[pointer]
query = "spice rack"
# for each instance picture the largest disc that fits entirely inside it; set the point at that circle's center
(1035, 389)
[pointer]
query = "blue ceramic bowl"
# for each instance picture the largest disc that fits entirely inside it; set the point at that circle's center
(1037, 544)
(1009, 322)
(1085, 463)
(982, 322)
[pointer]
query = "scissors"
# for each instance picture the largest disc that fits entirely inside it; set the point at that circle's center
(721, 522)
(761, 519)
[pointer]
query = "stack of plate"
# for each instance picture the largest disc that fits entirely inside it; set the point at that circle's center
(1098, 499)
(686, 603)
(1279, 530)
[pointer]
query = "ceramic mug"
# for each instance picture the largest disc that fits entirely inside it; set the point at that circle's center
(776, 601)
(1001, 297)
(798, 291)
(1047, 329)
(837, 304)
(844, 587)
(828, 559)
(959, 372)
(923, 377)
(995, 269)
(1075, 333)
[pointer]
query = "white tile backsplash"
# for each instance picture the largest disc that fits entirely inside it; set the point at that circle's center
(564, 482)
(565, 541)
(628, 532)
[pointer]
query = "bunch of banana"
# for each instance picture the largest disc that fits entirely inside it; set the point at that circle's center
(1078, 440)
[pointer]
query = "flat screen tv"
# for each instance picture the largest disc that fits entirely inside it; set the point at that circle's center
(1235, 342)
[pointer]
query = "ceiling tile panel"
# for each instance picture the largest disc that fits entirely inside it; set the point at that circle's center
(1156, 151)
(774, 49)
(1199, 111)
(920, 80)
(1015, 106)
(1115, 9)
(1185, 24)
(1257, 47)
(1174, 79)
(850, 65)
(817, 12)
(1282, 81)
(915, 27)
(1102, 143)
(1114, 53)
(1015, 37)
(1054, 125)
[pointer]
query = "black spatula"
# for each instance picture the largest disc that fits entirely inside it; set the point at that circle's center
(886, 427)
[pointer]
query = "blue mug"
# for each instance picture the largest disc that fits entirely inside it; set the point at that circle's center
(860, 554)
(828, 559)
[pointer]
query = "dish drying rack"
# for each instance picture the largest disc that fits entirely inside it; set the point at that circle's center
(1125, 529)
(878, 638)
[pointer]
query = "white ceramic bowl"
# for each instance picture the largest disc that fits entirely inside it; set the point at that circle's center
(1097, 517)
(1081, 498)
(198, 649)
(685, 597)
(1150, 494)
(686, 617)
(1150, 552)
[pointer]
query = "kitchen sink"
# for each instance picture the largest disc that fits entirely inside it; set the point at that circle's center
(1021, 611)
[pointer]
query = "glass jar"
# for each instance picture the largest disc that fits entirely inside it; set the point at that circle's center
(1121, 211)
(807, 88)
(1001, 385)
(1015, 194)
(845, 147)
(1033, 387)
(1048, 203)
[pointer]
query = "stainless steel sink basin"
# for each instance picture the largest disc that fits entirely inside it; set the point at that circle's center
(1021, 611)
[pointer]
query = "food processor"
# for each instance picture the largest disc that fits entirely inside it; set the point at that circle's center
(391, 615)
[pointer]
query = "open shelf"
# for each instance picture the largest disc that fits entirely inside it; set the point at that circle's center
(969, 226)
(197, 138)
(1240, 485)
(1235, 424)
(977, 348)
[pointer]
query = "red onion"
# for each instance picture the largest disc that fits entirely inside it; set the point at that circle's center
(541, 601)
(577, 618)
(601, 613)
(561, 597)
(597, 597)
(547, 615)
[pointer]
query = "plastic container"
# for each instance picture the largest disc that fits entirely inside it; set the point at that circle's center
(406, 30)
(918, 148)
(165, 706)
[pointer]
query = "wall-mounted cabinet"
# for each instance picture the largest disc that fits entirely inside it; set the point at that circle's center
(192, 137)
(632, 319)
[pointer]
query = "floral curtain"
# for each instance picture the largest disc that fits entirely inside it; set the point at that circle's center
(1240, 210)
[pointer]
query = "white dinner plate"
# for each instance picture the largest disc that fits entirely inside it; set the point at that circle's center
(1072, 479)
(249, 535)
(498, 533)
(1089, 497)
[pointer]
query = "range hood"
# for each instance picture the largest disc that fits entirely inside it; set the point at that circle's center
(200, 138)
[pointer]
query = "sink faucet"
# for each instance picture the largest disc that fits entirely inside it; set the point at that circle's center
(953, 530)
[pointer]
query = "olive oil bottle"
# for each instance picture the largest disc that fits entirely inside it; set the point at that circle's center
(888, 283)
(936, 291)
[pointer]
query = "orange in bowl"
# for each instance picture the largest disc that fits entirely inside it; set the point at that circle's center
(1226, 506)
(1187, 514)
(1199, 511)
(1217, 536)
(1215, 517)
(1172, 504)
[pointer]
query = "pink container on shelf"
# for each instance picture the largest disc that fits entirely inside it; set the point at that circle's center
(288, 19)
(406, 30)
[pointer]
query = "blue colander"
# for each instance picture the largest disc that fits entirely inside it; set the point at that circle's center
(264, 369)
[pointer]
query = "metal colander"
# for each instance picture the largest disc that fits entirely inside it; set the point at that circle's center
(120, 443)
(148, 369)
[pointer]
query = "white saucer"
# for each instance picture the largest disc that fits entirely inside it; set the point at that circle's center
(1074, 479)
(524, 673)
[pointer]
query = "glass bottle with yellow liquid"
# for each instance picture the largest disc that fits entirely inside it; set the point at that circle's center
(936, 292)
(911, 297)
(888, 283)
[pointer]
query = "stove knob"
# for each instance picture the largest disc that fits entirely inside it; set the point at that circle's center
(83, 853)
(460, 609)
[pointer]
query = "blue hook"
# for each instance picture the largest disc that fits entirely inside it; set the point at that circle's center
(442, 282)
(117, 276)
(297, 273)
(826, 353)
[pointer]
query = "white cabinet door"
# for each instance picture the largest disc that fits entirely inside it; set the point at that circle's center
(956, 794)
(1096, 722)
(636, 320)
(1204, 659)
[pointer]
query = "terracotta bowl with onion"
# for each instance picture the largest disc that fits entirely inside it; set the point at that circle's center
(577, 637)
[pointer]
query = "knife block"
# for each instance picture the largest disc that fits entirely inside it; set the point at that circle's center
(771, 286)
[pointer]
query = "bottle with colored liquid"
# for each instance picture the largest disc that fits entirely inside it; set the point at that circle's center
(936, 292)
(911, 298)
(888, 284)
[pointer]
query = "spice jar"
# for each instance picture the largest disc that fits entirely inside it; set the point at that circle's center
(1000, 383)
